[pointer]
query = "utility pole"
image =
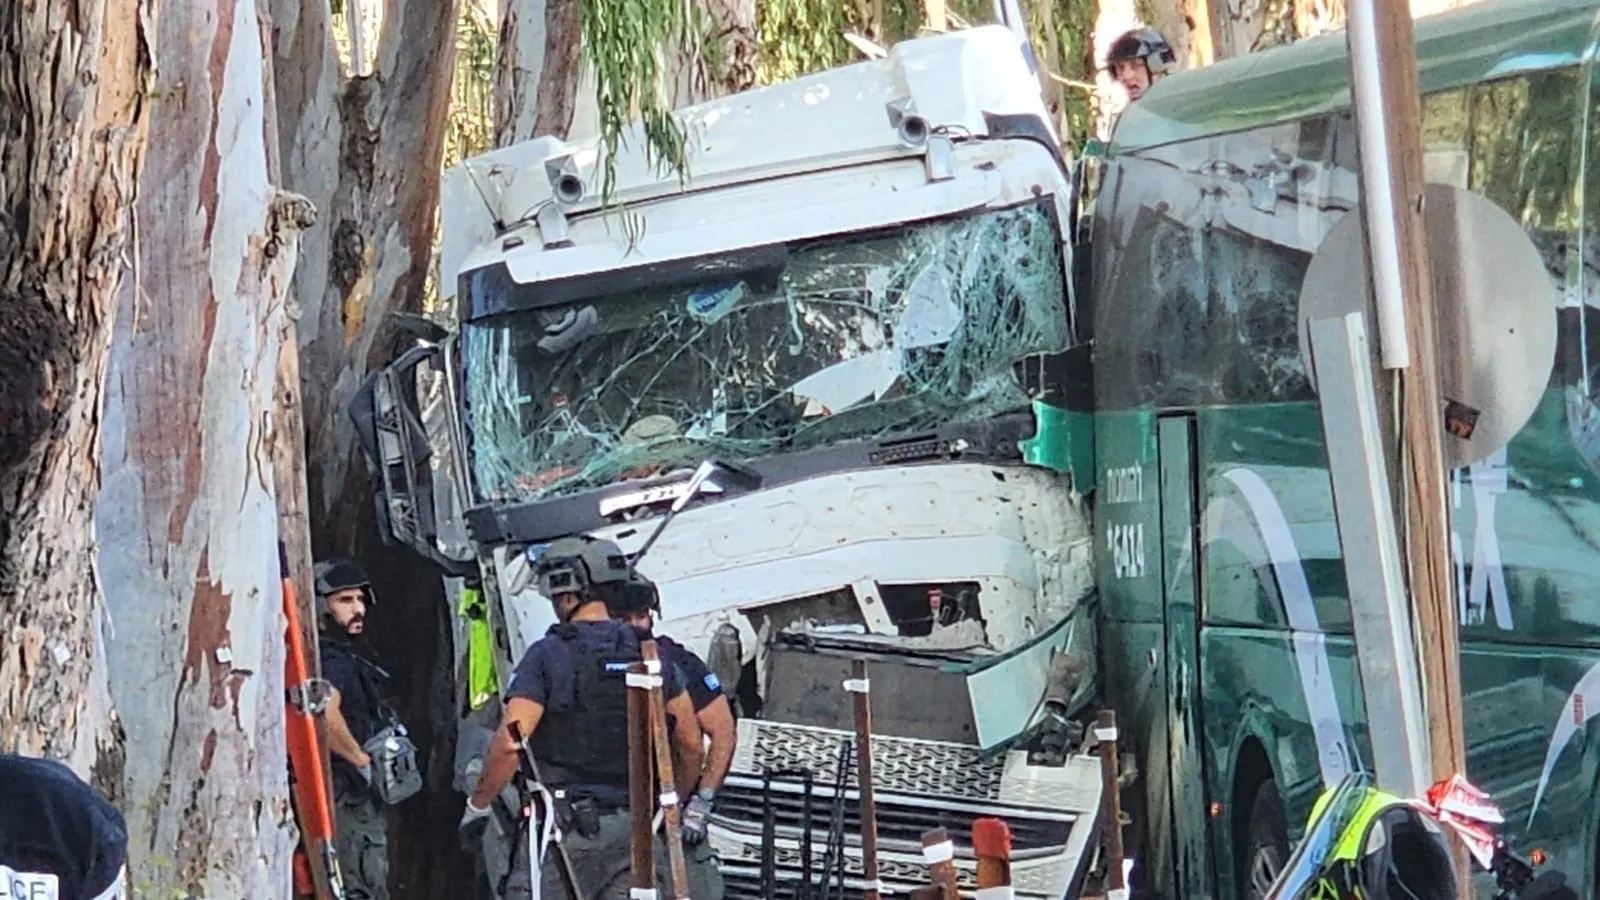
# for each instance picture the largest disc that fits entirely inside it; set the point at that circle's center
(1388, 107)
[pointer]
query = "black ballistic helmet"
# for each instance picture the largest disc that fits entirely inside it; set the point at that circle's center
(340, 574)
(1146, 44)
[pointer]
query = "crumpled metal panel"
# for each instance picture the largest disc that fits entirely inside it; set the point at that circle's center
(854, 338)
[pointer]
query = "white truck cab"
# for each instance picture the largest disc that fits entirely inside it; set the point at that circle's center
(860, 296)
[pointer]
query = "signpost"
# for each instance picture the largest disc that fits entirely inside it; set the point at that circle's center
(1388, 109)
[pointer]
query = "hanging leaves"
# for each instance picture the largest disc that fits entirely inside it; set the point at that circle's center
(624, 41)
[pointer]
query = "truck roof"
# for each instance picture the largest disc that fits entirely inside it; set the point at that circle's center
(1312, 77)
(837, 116)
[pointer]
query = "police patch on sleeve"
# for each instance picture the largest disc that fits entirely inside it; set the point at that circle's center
(28, 885)
(712, 683)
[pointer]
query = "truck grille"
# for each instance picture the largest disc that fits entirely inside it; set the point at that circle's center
(901, 819)
(903, 765)
(919, 785)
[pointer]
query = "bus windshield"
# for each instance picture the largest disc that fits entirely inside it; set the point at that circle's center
(837, 339)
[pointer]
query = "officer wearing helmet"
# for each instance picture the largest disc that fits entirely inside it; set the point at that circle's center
(374, 763)
(638, 603)
(1140, 58)
(568, 695)
(58, 838)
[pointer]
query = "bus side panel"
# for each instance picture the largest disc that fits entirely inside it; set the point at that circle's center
(1252, 698)
(1128, 563)
(1282, 690)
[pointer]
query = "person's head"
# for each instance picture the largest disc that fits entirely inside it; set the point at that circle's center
(1138, 59)
(634, 602)
(344, 594)
(54, 829)
(577, 571)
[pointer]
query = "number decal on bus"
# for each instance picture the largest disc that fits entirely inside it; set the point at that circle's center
(1126, 545)
(1124, 485)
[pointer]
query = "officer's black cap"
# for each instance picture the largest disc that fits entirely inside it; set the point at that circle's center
(51, 823)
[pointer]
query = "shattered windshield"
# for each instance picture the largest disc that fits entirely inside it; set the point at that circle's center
(836, 339)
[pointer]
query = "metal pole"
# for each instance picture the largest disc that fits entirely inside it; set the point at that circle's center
(1383, 66)
(1365, 514)
(1377, 182)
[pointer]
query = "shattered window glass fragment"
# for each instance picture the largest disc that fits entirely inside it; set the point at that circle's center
(849, 338)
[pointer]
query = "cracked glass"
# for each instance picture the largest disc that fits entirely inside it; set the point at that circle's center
(843, 338)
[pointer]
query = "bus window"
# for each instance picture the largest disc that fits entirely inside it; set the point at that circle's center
(1200, 248)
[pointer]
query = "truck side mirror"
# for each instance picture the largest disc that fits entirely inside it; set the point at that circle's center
(388, 422)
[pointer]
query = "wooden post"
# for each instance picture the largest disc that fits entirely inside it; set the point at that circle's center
(664, 780)
(641, 849)
(860, 685)
(991, 843)
(1105, 730)
(939, 852)
(1389, 113)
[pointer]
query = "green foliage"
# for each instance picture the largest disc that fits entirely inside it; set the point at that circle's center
(1063, 36)
(469, 129)
(623, 43)
(799, 37)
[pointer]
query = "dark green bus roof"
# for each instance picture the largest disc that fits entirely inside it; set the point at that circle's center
(1312, 77)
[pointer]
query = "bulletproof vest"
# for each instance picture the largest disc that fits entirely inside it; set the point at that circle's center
(583, 739)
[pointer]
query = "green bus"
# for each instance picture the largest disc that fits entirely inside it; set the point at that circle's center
(1227, 628)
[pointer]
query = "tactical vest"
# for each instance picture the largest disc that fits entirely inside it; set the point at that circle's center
(583, 738)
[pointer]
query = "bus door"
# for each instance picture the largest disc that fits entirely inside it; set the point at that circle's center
(1185, 771)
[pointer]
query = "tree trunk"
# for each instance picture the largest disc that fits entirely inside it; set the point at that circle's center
(72, 115)
(543, 88)
(188, 514)
(366, 152)
(727, 61)
(1171, 18)
(1202, 16)
(536, 89)
(1314, 17)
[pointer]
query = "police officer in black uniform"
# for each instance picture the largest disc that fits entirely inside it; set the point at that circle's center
(344, 594)
(58, 838)
(639, 602)
(569, 697)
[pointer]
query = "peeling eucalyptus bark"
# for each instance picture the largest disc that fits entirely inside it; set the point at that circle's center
(72, 122)
(188, 513)
(536, 75)
(366, 152)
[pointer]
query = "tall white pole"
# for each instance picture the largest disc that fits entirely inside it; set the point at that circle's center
(1377, 183)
